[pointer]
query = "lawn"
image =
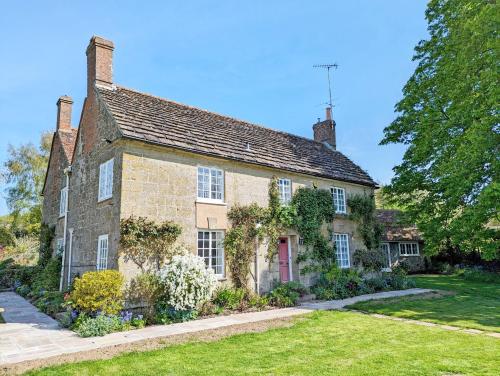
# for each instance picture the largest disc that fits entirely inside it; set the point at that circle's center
(468, 304)
(321, 343)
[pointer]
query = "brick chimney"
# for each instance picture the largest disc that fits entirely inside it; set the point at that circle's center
(99, 63)
(64, 105)
(324, 131)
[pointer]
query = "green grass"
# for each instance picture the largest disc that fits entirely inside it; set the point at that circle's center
(473, 305)
(2, 321)
(322, 343)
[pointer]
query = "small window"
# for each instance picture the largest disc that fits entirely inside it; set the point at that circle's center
(211, 249)
(102, 252)
(106, 180)
(210, 183)
(342, 250)
(408, 249)
(59, 246)
(285, 189)
(63, 201)
(338, 195)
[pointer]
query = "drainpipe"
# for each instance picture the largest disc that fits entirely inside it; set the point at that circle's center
(257, 277)
(69, 254)
(67, 171)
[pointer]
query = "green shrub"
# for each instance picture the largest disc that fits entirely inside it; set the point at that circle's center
(13, 275)
(370, 259)
(48, 277)
(374, 284)
(478, 275)
(144, 291)
(166, 314)
(286, 294)
(100, 325)
(100, 291)
(229, 297)
(338, 283)
(259, 302)
(51, 302)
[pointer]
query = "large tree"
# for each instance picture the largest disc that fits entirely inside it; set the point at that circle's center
(24, 173)
(449, 118)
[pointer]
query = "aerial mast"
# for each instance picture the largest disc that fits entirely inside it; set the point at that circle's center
(328, 67)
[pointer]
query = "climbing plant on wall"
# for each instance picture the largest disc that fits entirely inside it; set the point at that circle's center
(313, 210)
(363, 213)
(148, 244)
(241, 241)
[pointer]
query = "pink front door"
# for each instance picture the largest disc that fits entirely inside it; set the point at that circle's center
(283, 260)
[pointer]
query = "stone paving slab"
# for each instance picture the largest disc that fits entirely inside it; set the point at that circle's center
(29, 334)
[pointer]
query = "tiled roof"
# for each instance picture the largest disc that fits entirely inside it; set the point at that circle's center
(164, 122)
(394, 228)
(68, 141)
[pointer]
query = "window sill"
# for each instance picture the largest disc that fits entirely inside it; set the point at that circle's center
(210, 201)
(220, 278)
(409, 255)
(99, 201)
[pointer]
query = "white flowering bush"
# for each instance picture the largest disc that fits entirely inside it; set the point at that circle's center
(186, 283)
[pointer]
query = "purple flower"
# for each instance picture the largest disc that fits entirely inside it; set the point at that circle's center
(74, 314)
(125, 316)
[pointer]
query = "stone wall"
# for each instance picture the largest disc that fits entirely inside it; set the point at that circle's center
(161, 184)
(87, 217)
(55, 181)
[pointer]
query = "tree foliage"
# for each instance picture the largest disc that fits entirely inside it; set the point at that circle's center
(148, 244)
(449, 118)
(24, 173)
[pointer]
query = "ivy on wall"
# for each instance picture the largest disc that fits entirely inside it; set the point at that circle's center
(363, 213)
(313, 210)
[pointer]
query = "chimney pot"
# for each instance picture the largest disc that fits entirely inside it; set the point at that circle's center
(99, 63)
(64, 105)
(328, 113)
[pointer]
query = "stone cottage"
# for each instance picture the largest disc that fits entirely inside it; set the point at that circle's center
(137, 154)
(401, 242)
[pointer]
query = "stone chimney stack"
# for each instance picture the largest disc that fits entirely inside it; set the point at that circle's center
(64, 105)
(324, 131)
(99, 63)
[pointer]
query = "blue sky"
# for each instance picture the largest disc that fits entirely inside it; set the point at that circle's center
(251, 60)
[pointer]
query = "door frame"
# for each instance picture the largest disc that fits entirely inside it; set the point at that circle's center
(289, 246)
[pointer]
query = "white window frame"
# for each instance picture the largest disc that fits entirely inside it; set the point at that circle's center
(403, 249)
(203, 250)
(102, 252)
(340, 205)
(341, 261)
(63, 199)
(285, 190)
(386, 247)
(205, 189)
(105, 180)
(59, 246)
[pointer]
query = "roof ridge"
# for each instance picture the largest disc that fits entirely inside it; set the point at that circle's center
(218, 114)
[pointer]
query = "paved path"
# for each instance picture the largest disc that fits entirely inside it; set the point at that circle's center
(29, 334)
